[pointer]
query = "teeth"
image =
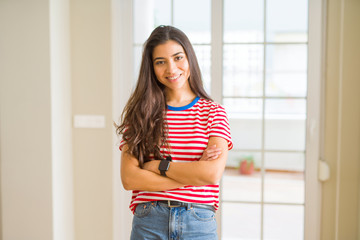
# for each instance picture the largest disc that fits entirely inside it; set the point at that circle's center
(172, 78)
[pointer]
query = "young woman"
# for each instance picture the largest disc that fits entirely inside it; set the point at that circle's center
(175, 141)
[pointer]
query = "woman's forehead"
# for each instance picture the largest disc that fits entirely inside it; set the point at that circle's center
(167, 49)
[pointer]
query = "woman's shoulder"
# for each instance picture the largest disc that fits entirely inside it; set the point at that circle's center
(211, 105)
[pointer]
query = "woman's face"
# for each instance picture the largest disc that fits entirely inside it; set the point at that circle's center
(171, 66)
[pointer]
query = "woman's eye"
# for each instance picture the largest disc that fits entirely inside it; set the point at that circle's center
(178, 57)
(159, 62)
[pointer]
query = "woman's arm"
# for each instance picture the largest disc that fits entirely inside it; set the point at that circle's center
(196, 173)
(135, 178)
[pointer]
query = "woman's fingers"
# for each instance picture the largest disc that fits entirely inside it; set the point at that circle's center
(211, 153)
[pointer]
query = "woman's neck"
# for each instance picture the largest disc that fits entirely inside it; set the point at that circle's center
(179, 99)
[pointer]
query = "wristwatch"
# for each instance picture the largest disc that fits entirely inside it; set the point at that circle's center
(164, 165)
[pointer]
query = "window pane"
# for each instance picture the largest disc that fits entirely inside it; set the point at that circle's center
(240, 221)
(246, 133)
(243, 21)
(284, 177)
(283, 222)
(246, 108)
(283, 187)
(245, 122)
(235, 156)
(203, 54)
(243, 70)
(238, 186)
(285, 108)
(194, 18)
(162, 12)
(286, 70)
(149, 14)
(285, 124)
(283, 161)
(286, 21)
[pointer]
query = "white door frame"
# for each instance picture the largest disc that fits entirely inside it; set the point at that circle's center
(314, 125)
(122, 69)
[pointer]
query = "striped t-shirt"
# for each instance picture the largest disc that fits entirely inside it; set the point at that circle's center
(190, 127)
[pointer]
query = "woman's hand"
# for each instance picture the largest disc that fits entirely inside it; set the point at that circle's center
(207, 171)
(211, 153)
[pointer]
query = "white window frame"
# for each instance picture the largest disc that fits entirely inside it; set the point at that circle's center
(316, 32)
(122, 73)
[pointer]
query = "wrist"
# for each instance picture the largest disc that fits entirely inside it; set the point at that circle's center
(152, 166)
(164, 166)
(155, 166)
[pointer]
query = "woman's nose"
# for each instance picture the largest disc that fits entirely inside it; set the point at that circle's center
(171, 67)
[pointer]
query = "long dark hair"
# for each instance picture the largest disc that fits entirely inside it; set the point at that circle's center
(142, 121)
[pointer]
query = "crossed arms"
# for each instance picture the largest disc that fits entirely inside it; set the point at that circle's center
(208, 170)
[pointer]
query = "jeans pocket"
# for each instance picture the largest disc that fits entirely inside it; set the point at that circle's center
(143, 209)
(203, 214)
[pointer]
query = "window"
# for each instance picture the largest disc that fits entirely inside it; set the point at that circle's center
(264, 92)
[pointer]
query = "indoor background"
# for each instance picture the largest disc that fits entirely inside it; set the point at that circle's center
(66, 70)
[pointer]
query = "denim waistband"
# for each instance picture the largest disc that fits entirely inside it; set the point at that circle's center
(173, 204)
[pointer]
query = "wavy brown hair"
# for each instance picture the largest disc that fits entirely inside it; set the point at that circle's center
(142, 122)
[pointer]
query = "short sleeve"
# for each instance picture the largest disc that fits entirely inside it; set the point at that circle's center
(122, 143)
(220, 126)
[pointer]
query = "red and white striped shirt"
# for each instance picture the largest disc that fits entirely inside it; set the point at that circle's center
(190, 128)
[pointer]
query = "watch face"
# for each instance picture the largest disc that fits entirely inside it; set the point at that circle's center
(164, 165)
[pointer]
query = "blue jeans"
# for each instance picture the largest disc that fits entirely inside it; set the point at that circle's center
(154, 220)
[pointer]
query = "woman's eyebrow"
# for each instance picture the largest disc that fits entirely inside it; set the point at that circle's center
(171, 55)
(176, 54)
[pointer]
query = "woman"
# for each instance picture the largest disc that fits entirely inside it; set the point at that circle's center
(174, 144)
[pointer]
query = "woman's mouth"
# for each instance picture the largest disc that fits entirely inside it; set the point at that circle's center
(173, 78)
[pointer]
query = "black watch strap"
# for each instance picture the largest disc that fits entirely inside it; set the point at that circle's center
(164, 165)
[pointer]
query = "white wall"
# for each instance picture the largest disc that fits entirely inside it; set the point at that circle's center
(91, 86)
(25, 113)
(340, 215)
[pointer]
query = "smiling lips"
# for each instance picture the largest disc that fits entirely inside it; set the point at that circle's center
(173, 78)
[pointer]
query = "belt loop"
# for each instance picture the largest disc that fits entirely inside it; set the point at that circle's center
(188, 207)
